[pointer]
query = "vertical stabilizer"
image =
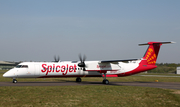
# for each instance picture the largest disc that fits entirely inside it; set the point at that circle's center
(152, 52)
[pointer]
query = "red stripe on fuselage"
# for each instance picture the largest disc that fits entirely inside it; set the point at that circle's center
(59, 76)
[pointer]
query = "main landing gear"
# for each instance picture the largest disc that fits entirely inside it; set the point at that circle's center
(78, 79)
(105, 81)
(14, 81)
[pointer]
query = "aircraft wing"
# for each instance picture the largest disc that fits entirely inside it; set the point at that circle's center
(116, 61)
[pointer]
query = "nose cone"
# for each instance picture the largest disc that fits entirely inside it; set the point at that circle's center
(8, 74)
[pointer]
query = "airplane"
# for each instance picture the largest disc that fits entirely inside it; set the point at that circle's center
(82, 68)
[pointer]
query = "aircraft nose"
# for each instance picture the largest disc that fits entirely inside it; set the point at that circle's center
(8, 74)
(5, 75)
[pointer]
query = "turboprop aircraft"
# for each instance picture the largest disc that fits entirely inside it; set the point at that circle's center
(82, 68)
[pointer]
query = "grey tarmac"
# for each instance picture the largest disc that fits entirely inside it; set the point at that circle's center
(165, 85)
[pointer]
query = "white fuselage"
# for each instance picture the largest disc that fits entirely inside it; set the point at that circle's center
(69, 69)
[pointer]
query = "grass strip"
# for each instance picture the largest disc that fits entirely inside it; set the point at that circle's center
(89, 96)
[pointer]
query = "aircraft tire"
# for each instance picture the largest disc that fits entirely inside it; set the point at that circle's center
(78, 79)
(105, 82)
(14, 81)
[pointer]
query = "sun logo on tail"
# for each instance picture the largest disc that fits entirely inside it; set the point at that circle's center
(150, 56)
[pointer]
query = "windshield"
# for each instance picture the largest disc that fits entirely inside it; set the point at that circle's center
(22, 66)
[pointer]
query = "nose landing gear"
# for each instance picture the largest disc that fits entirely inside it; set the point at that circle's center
(14, 81)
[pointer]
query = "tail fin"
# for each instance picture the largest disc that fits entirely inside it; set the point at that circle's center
(152, 52)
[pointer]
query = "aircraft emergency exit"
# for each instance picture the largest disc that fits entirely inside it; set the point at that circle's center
(82, 68)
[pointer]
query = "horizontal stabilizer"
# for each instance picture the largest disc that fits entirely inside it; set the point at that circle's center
(149, 43)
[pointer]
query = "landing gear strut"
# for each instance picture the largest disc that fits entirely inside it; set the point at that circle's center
(105, 81)
(78, 79)
(14, 81)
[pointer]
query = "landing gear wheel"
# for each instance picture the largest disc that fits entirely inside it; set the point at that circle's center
(105, 82)
(78, 79)
(14, 81)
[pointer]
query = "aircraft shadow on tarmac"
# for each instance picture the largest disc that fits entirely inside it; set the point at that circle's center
(166, 85)
(87, 82)
(63, 82)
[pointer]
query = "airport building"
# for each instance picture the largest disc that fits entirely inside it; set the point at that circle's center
(5, 65)
(178, 70)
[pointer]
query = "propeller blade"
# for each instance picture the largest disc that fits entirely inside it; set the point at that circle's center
(82, 64)
(56, 59)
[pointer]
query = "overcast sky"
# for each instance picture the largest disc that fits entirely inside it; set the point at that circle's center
(36, 30)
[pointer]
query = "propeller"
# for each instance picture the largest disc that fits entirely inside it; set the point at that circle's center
(56, 59)
(82, 64)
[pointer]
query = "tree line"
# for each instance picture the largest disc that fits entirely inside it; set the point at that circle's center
(165, 68)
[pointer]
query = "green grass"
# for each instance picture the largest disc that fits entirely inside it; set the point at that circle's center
(88, 96)
(3, 71)
(168, 74)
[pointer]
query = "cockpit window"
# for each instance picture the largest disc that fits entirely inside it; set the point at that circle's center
(18, 66)
(22, 66)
